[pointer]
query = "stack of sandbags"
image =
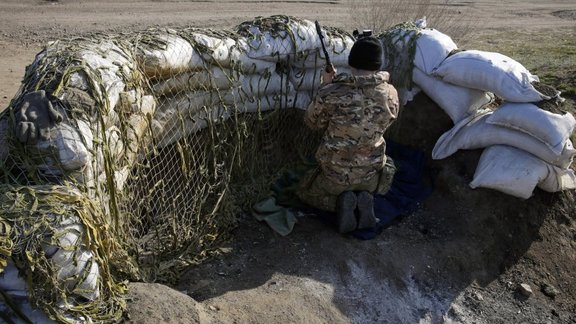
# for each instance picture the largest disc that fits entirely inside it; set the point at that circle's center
(99, 93)
(85, 129)
(58, 256)
(463, 84)
(517, 127)
(201, 76)
(411, 55)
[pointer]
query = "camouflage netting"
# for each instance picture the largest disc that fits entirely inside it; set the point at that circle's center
(130, 157)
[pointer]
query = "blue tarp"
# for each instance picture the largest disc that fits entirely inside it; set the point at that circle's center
(409, 188)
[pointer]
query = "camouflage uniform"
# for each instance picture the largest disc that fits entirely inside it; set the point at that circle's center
(354, 111)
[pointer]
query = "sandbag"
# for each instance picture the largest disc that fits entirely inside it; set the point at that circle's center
(405, 46)
(215, 50)
(562, 179)
(550, 128)
(74, 264)
(165, 54)
(71, 155)
(338, 49)
(456, 101)
(176, 120)
(210, 78)
(172, 112)
(306, 79)
(473, 133)
(492, 72)
(432, 47)
(289, 37)
(107, 65)
(518, 173)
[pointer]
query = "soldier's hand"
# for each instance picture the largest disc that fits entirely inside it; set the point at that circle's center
(328, 76)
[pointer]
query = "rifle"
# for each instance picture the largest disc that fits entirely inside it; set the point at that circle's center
(329, 67)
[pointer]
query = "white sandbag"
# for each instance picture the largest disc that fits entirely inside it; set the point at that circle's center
(171, 125)
(550, 128)
(473, 133)
(517, 173)
(338, 48)
(65, 240)
(215, 50)
(111, 64)
(278, 44)
(167, 54)
(559, 180)
(456, 101)
(176, 113)
(87, 284)
(139, 123)
(85, 132)
(492, 72)
(131, 101)
(268, 47)
(167, 132)
(211, 78)
(432, 47)
(306, 79)
(111, 81)
(121, 177)
(257, 85)
(509, 170)
(115, 144)
(186, 104)
(71, 151)
(241, 61)
(300, 100)
(73, 265)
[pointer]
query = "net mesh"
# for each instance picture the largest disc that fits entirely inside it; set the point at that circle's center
(130, 157)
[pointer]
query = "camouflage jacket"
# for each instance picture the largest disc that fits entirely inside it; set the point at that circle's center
(354, 111)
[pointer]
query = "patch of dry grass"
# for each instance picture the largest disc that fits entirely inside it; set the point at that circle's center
(379, 15)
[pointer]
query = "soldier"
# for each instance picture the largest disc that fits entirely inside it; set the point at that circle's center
(354, 110)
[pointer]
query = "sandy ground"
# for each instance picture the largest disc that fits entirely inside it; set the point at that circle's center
(459, 259)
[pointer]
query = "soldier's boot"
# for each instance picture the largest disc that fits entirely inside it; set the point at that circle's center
(366, 218)
(346, 219)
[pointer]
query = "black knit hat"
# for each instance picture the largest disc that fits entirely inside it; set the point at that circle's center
(366, 54)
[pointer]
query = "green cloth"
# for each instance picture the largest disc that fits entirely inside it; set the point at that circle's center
(279, 218)
(276, 210)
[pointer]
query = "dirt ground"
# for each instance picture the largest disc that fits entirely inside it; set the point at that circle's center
(460, 258)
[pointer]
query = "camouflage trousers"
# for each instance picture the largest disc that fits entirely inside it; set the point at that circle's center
(319, 191)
